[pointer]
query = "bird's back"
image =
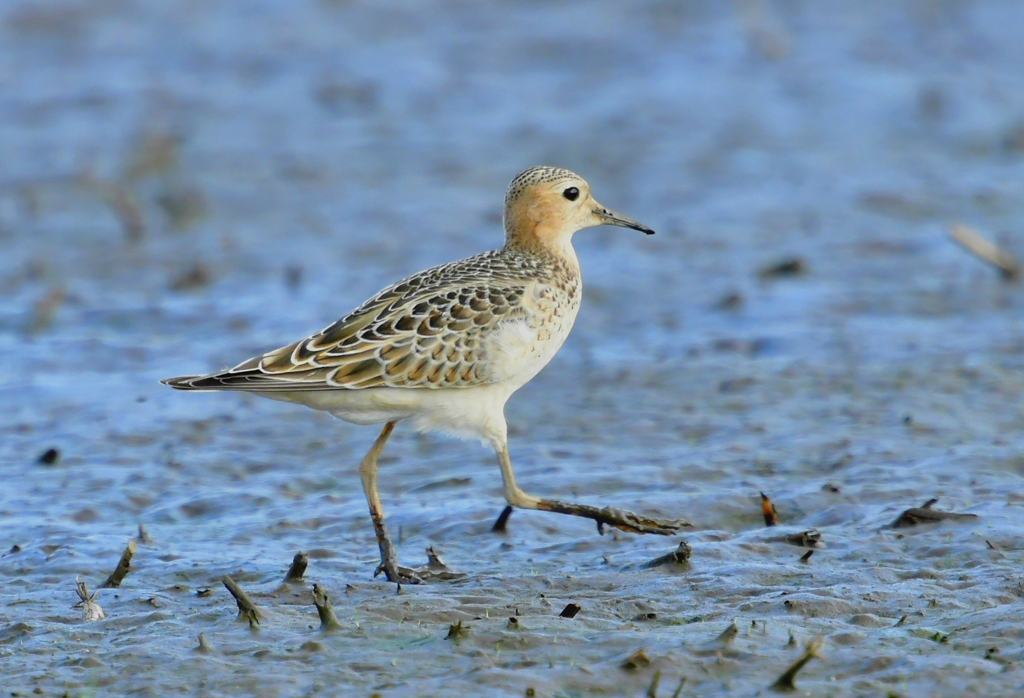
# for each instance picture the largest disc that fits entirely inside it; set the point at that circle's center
(495, 317)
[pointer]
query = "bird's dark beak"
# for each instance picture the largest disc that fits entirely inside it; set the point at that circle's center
(609, 217)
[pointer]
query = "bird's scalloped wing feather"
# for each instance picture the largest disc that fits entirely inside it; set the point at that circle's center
(428, 331)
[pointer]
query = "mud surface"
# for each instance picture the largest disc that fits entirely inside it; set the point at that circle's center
(185, 184)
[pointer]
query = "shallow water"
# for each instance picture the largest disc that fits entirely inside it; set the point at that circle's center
(185, 184)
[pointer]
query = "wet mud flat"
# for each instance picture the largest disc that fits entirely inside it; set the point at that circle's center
(925, 608)
(208, 184)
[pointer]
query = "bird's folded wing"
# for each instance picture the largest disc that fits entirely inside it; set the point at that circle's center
(429, 331)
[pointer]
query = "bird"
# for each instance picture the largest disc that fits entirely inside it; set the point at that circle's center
(446, 348)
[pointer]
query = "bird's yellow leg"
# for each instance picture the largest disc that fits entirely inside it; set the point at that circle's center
(388, 557)
(625, 520)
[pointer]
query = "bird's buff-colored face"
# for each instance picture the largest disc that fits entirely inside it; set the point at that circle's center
(545, 206)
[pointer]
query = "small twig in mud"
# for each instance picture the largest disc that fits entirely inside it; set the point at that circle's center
(293, 277)
(679, 689)
(434, 560)
(570, 611)
(124, 566)
(50, 456)
(143, 536)
(196, 276)
(925, 514)
(246, 608)
(987, 251)
(322, 601)
(502, 522)
(436, 568)
(806, 539)
(794, 266)
(721, 643)
(456, 631)
(726, 637)
(129, 213)
(298, 568)
(730, 301)
(785, 682)
(153, 155)
(637, 660)
(46, 310)
(679, 556)
(766, 32)
(204, 645)
(183, 206)
(90, 609)
(652, 691)
(806, 557)
(771, 516)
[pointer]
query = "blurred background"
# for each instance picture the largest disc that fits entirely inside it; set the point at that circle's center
(185, 184)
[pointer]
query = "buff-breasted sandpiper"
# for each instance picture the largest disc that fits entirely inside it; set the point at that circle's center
(447, 347)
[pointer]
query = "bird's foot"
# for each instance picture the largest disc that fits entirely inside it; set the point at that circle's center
(389, 562)
(435, 570)
(619, 518)
(397, 574)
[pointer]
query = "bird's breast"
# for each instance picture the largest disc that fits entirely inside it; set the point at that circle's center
(521, 346)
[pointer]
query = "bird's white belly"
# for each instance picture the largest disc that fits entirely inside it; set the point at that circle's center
(470, 413)
(517, 352)
(519, 348)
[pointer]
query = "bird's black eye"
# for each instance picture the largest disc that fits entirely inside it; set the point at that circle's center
(572, 193)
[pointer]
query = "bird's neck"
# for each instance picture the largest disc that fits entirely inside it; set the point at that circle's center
(558, 262)
(539, 239)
